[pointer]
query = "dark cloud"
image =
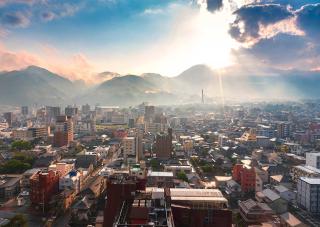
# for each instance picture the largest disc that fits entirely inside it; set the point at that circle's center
(249, 17)
(213, 5)
(295, 4)
(282, 49)
(14, 19)
(48, 16)
(308, 20)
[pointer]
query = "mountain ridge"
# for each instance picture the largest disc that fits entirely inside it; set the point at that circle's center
(38, 85)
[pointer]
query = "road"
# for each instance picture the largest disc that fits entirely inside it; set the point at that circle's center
(62, 221)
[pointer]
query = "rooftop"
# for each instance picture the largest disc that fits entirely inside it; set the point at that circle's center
(290, 219)
(310, 180)
(160, 174)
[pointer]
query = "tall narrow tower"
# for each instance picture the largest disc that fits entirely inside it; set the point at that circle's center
(202, 97)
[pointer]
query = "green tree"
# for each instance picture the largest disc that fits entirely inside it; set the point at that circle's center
(182, 176)
(21, 145)
(155, 164)
(14, 166)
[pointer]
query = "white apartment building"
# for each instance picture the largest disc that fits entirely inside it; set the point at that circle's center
(308, 195)
(71, 181)
(313, 159)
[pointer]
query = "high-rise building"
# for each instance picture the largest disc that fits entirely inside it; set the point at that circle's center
(308, 195)
(24, 110)
(313, 159)
(71, 111)
(139, 146)
(85, 109)
(63, 134)
(131, 123)
(163, 145)
(40, 132)
(283, 129)
(149, 112)
(52, 112)
(8, 116)
(129, 147)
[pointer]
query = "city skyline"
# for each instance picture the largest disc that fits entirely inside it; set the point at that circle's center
(78, 39)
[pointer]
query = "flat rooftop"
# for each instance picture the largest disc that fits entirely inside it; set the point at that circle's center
(311, 180)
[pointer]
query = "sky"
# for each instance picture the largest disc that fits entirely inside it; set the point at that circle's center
(80, 38)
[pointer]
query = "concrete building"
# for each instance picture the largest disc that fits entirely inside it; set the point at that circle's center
(71, 111)
(160, 179)
(43, 186)
(273, 200)
(22, 134)
(71, 181)
(149, 112)
(313, 159)
(253, 212)
(52, 112)
(62, 168)
(304, 171)
(187, 169)
(163, 145)
(24, 110)
(245, 175)
(27, 134)
(63, 134)
(8, 116)
(283, 130)
(201, 198)
(308, 195)
(285, 193)
(9, 186)
(129, 147)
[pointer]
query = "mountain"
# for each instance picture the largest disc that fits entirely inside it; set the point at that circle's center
(38, 85)
(104, 76)
(34, 85)
(125, 91)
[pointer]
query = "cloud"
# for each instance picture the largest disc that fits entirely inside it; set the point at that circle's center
(48, 16)
(308, 19)
(14, 19)
(153, 11)
(284, 51)
(213, 5)
(15, 60)
(250, 18)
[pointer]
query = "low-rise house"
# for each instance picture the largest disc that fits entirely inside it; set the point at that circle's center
(71, 181)
(283, 179)
(95, 189)
(221, 181)
(233, 189)
(25, 178)
(9, 186)
(253, 212)
(285, 193)
(274, 201)
(82, 211)
(289, 220)
(160, 179)
(178, 168)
